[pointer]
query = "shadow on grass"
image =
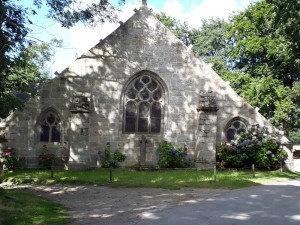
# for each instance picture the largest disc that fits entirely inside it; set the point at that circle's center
(166, 179)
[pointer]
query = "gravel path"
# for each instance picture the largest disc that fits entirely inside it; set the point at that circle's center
(118, 206)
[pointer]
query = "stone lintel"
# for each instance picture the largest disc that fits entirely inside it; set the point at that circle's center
(207, 109)
(80, 111)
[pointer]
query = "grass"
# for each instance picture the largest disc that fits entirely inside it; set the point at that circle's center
(167, 179)
(19, 208)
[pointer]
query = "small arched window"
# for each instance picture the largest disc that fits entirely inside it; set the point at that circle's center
(143, 105)
(49, 127)
(234, 129)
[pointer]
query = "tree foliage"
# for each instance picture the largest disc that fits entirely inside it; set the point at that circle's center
(70, 12)
(258, 48)
(23, 61)
(286, 21)
(181, 30)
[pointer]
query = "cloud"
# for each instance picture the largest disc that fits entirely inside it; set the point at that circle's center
(206, 9)
(80, 39)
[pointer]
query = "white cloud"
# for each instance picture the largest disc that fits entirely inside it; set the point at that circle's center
(80, 39)
(207, 9)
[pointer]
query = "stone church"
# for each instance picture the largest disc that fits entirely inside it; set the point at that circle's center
(137, 87)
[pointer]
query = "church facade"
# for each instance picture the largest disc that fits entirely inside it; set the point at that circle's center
(137, 87)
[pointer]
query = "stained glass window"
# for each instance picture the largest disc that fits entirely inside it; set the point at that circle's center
(234, 129)
(143, 105)
(50, 128)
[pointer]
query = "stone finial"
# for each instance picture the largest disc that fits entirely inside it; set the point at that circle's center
(141, 3)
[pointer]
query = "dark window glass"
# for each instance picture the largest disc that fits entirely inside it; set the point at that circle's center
(230, 134)
(44, 134)
(144, 109)
(152, 86)
(157, 95)
(143, 125)
(138, 85)
(237, 124)
(144, 95)
(155, 125)
(130, 124)
(131, 94)
(145, 79)
(50, 119)
(130, 109)
(156, 110)
(55, 134)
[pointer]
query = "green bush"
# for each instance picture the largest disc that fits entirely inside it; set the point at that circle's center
(9, 159)
(295, 137)
(254, 146)
(115, 160)
(169, 157)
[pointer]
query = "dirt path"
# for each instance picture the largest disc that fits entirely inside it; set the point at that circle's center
(118, 206)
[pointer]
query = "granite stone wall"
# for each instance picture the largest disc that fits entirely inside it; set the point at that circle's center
(88, 97)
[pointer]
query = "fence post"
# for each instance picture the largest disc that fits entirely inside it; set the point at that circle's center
(52, 169)
(215, 173)
(253, 170)
(110, 174)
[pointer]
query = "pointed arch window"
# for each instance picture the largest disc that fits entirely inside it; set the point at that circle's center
(50, 128)
(235, 128)
(143, 105)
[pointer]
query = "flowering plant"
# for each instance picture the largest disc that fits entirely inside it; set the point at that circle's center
(9, 159)
(46, 158)
(169, 157)
(254, 146)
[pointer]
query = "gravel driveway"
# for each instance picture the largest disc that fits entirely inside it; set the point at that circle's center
(118, 206)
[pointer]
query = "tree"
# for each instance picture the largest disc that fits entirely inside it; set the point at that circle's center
(210, 43)
(180, 30)
(70, 12)
(22, 60)
(27, 71)
(259, 49)
(257, 58)
(286, 20)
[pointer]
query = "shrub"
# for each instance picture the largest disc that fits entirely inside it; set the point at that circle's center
(47, 159)
(169, 157)
(8, 158)
(254, 146)
(115, 160)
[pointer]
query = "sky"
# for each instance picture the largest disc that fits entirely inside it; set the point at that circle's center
(79, 39)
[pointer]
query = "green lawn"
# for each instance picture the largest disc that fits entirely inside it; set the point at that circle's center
(167, 179)
(18, 208)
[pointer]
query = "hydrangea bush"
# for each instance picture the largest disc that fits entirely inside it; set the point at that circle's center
(254, 146)
(169, 157)
(9, 158)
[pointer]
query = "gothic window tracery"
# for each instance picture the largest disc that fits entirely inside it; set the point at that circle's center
(143, 105)
(234, 129)
(50, 128)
